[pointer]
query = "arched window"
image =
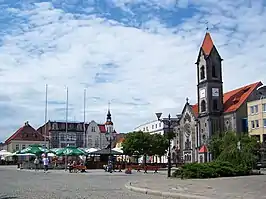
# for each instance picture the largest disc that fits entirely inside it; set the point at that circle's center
(214, 74)
(203, 106)
(202, 72)
(55, 126)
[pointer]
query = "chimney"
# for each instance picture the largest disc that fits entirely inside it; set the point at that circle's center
(27, 123)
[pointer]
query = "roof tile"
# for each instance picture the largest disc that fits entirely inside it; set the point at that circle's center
(235, 98)
(207, 44)
(27, 133)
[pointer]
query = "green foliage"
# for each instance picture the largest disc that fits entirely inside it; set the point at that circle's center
(140, 143)
(159, 144)
(224, 148)
(137, 143)
(211, 170)
(234, 155)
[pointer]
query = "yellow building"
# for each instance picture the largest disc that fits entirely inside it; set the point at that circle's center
(257, 119)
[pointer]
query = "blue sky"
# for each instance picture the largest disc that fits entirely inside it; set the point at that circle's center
(138, 54)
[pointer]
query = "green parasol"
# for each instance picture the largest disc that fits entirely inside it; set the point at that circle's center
(70, 151)
(34, 149)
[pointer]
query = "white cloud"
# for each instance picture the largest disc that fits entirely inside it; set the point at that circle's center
(153, 62)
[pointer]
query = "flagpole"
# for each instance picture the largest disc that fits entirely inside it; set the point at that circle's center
(45, 115)
(84, 119)
(66, 123)
(66, 109)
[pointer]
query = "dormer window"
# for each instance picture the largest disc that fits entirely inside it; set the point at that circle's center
(202, 72)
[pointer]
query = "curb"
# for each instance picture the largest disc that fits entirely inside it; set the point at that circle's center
(161, 193)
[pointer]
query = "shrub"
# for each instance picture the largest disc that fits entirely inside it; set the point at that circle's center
(211, 170)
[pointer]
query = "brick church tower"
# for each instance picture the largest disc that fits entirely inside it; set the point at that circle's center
(210, 91)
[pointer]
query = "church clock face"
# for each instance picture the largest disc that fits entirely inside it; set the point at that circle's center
(215, 92)
(202, 93)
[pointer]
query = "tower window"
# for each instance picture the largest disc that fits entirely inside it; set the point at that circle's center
(214, 74)
(202, 72)
(215, 104)
(203, 106)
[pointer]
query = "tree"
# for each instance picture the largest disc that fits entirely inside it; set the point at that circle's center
(140, 143)
(137, 143)
(233, 148)
(159, 145)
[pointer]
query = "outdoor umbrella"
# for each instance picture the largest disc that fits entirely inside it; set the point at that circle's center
(70, 151)
(34, 149)
(5, 153)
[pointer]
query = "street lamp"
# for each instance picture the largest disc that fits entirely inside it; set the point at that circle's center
(169, 123)
(110, 137)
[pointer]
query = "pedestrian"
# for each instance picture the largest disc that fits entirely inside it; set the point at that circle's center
(36, 162)
(45, 161)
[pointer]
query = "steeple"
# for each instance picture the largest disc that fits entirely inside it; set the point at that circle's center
(207, 44)
(109, 116)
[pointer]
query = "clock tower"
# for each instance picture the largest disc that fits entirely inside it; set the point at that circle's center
(210, 91)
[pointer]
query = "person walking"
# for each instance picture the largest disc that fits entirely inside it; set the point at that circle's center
(36, 163)
(45, 161)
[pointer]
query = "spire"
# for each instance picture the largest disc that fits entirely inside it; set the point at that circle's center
(187, 100)
(109, 116)
(207, 44)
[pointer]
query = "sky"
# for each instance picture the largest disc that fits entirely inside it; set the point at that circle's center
(138, 54)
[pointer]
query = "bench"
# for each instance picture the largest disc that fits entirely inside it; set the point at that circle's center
(151, 168)
(136, 167)
(80, 168)
(145, 168)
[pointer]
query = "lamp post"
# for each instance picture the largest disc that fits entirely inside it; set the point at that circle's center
(110, 137)
(169, 123)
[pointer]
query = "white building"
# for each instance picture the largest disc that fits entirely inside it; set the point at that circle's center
(95, 135)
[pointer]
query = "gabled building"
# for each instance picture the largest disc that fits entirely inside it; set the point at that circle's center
(23, 137)
(215, 111)
(95, 135)
(61, 134)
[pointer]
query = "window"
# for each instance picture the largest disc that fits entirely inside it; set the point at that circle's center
(147, 129)
(202, 72)
(257, 123)
(215, 104)
(55, 126)
(62, 137)
(23, 146)
(264, 107)
(252, 124)
(264, 122)
(152, 126)
(17, 147)
(214, 71)
(203, 106)
(252, 109)
(256, 109)
(93, 129)
(159, 124)
(143, 129)
(156, 126)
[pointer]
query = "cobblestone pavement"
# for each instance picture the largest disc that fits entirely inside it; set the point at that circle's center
(248, 187)
(59, 184)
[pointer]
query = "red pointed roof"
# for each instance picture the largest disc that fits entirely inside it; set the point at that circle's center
(234, 99)
(27, 133)
(203, 149)
(207, 44)
(102, 128)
